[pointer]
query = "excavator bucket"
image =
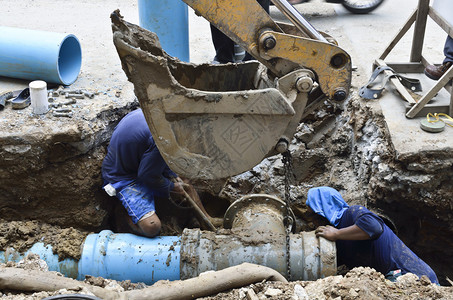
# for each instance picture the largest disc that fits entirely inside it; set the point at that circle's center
(216, 121)
(208, 121)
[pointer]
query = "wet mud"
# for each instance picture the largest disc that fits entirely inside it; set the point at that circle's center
(22, 235)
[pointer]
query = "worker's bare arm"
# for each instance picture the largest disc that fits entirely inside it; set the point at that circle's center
(352, 233)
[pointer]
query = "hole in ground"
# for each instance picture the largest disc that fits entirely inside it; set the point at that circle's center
(427, 238)
(175, 213)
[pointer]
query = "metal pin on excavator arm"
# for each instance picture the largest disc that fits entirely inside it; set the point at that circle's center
(216, 121)
(248, 24)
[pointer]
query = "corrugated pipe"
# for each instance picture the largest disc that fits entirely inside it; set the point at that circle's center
(140, 259)
(39, 55)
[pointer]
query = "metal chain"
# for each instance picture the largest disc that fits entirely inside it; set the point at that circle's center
(288, 220)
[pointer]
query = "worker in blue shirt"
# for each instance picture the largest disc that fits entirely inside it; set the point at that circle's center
(135, 172)
(362, 238)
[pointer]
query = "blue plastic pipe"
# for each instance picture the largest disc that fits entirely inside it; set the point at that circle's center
(39, 55)
(132, 257)
(169, 20)
(115, 256)
(67, 267)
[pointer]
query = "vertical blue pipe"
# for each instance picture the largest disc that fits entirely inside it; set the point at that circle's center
(127, 256)
(169, 20)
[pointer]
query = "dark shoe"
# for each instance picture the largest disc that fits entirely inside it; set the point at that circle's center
(294, 2)
(436, 72)
(22, 100)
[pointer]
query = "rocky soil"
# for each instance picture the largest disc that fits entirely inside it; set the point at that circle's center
(359, 283)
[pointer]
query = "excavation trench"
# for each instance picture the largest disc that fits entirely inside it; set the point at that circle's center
(50, 189)
(51, 185)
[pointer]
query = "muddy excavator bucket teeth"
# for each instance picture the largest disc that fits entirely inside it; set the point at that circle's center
(208, 121)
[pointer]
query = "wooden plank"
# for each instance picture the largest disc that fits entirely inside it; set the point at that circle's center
(447, 27)
(414, 67)
(430, 109)
(425, 62)
(399, 87)
(419, 31)
(451, 103)
(400, 34)
(443, 81)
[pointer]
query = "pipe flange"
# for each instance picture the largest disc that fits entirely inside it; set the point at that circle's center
(247, 200)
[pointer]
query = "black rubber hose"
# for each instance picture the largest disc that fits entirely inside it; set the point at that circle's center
(4, 97)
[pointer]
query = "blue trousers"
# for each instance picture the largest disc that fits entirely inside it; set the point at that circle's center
(448, 50)
(224, 46)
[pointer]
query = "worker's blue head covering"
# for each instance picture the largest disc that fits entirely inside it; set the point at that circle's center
(327, 202)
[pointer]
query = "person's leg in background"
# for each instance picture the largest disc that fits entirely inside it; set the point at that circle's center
(265, 4)
(448, 50)
(435, 72)
(224, 46)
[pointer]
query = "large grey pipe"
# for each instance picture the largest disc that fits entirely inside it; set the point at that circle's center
(256, 234)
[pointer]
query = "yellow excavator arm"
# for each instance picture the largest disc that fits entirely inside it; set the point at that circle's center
(215, 121)
(249, 26)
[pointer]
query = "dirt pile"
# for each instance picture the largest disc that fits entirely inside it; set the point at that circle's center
(359, 283)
